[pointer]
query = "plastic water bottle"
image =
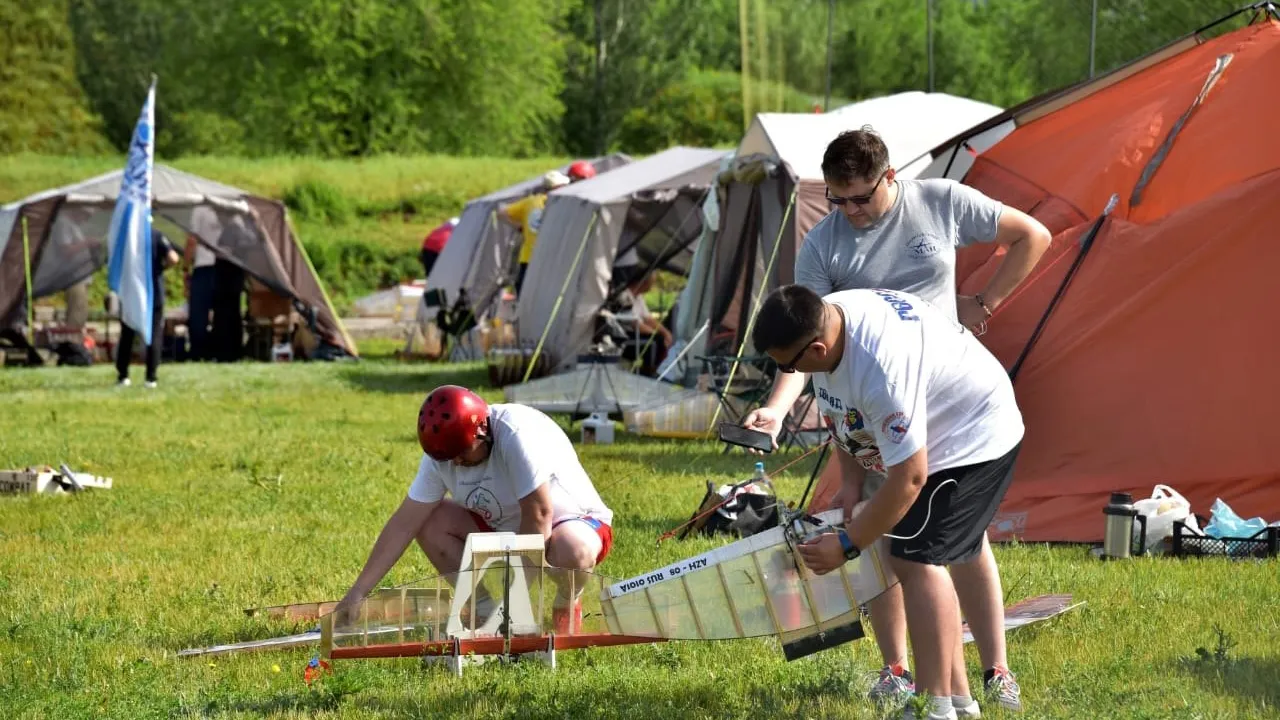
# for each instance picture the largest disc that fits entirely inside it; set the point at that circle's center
(759, 471)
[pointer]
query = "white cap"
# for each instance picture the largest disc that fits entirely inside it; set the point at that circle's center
(555, 179)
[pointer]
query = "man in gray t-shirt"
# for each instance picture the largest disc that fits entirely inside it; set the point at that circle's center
(903, 235)
(912, 248)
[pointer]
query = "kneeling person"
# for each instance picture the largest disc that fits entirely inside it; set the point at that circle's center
(896, 376)
(506, 467)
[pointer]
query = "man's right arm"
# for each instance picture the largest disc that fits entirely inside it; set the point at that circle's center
(768, 419)
(395, 537)
(514, 214)
(811, 272)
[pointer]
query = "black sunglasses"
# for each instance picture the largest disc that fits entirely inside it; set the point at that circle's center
(791, 366)
(856, 199)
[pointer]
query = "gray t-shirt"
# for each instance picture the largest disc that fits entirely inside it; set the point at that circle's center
(911, 249)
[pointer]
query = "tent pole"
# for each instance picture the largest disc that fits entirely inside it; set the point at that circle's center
(323, 293)
(555, 310)
(755, 310)
(697, 208)
(1086, 243)
(26, 264)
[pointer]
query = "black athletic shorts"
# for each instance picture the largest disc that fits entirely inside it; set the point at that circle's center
(960, 512)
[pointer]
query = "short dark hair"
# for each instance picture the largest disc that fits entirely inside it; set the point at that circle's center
(790, 315)
(855, 154)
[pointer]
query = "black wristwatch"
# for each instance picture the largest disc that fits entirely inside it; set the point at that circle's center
(851, 552)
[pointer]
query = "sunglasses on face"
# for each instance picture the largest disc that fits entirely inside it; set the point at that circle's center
(855, 199)
(791, 366)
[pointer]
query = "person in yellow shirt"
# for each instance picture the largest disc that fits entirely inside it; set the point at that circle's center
(526, 213)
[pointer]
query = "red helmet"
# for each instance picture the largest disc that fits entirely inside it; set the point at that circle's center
(582, 170)
(450, 420)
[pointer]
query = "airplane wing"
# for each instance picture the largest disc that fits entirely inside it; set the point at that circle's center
(754, 587)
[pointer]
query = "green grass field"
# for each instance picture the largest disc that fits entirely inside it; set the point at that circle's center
(249, 485)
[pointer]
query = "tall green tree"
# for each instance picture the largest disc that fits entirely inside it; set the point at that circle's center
(330, 77)
(44, 107)
(621, 53)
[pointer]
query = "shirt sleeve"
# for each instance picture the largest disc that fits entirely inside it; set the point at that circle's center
(427, 486)
(976, 215)
(811, 267)
(893, 401)
(519, 210)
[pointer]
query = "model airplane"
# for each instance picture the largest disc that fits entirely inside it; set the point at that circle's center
(503, 602)
(503, 605)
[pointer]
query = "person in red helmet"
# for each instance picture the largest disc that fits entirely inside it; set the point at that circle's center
(505, 467)
(581, 170)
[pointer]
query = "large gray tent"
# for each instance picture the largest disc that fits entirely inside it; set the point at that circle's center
(67, 228)
(479, 255)
(650, 207)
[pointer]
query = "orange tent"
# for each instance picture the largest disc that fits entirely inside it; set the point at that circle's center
(1158, 362)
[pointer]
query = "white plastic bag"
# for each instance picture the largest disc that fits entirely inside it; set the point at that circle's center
(1161, 510)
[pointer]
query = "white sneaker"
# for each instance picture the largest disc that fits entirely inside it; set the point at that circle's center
(893, 684)
(967, 711)
(123, 383)
(1002, 686)
(151, 384)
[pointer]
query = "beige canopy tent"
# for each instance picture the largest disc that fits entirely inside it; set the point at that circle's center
(479, 258)
(649, 207)
(66, 240)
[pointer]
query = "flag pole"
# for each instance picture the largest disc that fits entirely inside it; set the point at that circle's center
(26, 263)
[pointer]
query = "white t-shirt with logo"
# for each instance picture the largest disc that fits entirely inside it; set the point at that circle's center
(909, 378)
(529, 450)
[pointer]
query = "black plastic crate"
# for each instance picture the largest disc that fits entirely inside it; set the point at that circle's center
(1263, 544)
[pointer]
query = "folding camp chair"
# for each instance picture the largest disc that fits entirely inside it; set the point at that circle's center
(750, 385)
(793, 429)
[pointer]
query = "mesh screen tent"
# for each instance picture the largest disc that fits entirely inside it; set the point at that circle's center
(67, 226)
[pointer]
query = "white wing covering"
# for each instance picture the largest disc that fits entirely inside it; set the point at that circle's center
(750, 588)
(754, 587)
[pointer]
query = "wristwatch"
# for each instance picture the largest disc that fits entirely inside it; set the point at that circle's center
(851, 552)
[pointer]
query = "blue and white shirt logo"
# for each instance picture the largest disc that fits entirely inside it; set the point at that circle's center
(923, 245)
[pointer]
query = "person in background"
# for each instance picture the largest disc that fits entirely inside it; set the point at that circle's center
(526, 213)
(164, 256)
(433, 244)
(198, 282)
(647, 323)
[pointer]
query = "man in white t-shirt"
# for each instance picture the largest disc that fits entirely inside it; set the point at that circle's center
(504, 467)
(911, 393)
(887, 232)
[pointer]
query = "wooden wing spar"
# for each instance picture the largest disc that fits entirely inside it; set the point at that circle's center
(508, 601)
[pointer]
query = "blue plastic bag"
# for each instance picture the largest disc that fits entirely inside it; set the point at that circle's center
(1225, 523)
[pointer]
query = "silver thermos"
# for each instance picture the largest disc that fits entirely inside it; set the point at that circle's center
(1117, 540)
